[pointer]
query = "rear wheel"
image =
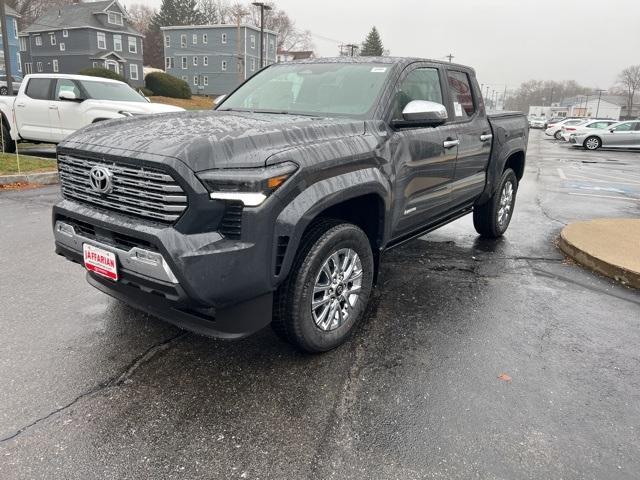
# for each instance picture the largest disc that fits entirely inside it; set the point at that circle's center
(557, 135)
(8, 145)
(4, 90)
(318, 306)
(592, 143)
(492, 218)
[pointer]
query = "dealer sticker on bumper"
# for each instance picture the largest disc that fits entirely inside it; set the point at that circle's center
(100, 261)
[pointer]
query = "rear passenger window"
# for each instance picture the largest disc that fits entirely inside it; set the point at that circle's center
(419, 84)
(38, 88)
(461, 95)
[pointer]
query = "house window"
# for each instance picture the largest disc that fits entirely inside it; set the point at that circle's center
(28, 68)
(65, 33)
(133, 45)
(184, 63)
(205, 39)
(114, 18)
(195, 61)
(205, 80)
(195, 80)
(23, 44)
(224, 38)
(15, 28)
(52, 38)
(238, 67)
(39, 67)
(167, 41)
(94, 64)
(19, 62)
(63, 47)
(55, 66)
(253, 41)
(168, 63)
(38, 40)
(194, 38)
(183, 41)
(102, 41)
(253, 64)
(117, 43)
(133, 71)
(205, 61)
(184, 78)
(224, 65)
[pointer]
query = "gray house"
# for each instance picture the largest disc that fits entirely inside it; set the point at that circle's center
(82, 35)
(214, 59)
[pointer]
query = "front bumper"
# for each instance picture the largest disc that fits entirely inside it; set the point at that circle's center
(201, 282)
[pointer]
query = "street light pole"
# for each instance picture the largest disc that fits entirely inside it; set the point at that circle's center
(599, 96)
(5, 48)
(263, 7)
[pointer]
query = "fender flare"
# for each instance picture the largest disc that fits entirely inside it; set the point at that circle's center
(494, 172)
(294, 219)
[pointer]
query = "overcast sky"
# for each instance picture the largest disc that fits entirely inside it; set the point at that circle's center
(506, 41)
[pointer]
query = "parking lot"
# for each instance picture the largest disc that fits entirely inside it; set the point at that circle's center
(477, 359)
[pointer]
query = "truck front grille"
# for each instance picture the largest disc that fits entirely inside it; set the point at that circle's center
(139, 191)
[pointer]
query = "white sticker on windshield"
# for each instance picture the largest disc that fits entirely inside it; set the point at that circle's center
(458, 109)
(378, 69)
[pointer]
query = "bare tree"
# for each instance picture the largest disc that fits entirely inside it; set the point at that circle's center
(216, 11)
(29, 10)
(629, 79)
(140, 16)
(289, 36)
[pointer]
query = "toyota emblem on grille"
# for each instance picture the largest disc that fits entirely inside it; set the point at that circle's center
(101, 179)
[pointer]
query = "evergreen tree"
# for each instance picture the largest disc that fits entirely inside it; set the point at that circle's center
(178, 12)
(372, 45)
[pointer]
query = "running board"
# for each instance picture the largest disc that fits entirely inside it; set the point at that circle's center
(430, 228)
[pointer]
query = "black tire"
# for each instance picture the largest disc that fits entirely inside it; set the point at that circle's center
(4, 90)
(486, 216)
(592, 143)
(558, 135)
(292, 312)
(8, 145)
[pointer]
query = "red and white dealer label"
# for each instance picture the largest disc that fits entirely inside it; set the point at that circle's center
(100, 261)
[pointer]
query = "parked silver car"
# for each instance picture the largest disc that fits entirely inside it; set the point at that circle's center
(4, 90)
(619, 135)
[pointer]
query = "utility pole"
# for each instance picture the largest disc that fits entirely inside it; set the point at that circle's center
(263, 7)
(5, 47)
(599, 96)
(450, 57)
(504, 97)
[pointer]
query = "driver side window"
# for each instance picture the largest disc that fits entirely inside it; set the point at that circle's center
(624, 127)
(419, 84)
(65, 85)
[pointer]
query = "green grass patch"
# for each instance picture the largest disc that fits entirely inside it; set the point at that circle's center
(28, 164)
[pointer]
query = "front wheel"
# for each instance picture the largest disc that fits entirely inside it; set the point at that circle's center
(325, 296)
(558, 135)
(492, 218)
(592, 143)
(4, 91)
(8, 145)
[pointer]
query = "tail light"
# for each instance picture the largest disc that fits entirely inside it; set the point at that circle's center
(569, 129)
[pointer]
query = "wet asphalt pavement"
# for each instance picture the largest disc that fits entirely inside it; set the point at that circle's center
(90, 388)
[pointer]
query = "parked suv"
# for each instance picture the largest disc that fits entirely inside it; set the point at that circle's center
(276, 207)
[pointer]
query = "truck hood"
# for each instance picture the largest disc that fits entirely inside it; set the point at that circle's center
(133, 107)
(205, 140)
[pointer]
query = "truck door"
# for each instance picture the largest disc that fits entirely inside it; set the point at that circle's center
(474, 135)
(423, 157)
(32, 110)
(66, 116)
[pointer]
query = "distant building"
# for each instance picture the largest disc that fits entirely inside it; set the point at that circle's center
(590, 106)
(291, 55)
(83, 35)
(12, 33)
(215, 59)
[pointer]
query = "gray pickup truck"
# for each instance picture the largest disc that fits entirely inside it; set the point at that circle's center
(276, 207)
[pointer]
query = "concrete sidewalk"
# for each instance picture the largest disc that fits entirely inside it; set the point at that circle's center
(608, 246)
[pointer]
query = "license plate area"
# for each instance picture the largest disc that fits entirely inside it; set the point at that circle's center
(100, 261)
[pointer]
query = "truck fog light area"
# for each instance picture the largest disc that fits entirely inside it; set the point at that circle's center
(251, 186)
(66, 229)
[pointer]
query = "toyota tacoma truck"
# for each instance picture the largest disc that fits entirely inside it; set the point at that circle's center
(49, 107)
(276, 206)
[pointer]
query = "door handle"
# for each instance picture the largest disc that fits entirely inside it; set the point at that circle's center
(450, 143)
(53, 107)
(19, 104)
(485, 136)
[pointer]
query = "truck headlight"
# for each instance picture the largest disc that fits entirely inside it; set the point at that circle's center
(251, 186)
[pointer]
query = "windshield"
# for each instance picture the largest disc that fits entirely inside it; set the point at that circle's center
(117, 92)
(322, 89)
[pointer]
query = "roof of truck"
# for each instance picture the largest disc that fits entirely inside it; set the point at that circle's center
(386, 60)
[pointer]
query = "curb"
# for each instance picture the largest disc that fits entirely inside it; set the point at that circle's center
(617, 272)
(48, 178)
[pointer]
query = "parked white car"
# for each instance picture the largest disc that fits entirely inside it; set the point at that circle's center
(618, 135)
(537, 122)
(49, 107)
(569, 131)
(4, 88)
(555, 129)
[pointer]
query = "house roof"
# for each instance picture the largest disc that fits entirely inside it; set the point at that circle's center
(11, 12)
(217, 25)
(297, 54)
(75, 16)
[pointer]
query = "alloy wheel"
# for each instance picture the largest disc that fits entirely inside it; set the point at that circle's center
(592, 143)
(506, 203)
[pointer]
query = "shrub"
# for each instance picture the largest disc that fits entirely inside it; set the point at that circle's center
(146, 92)
(167, 86)
(101, 72)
